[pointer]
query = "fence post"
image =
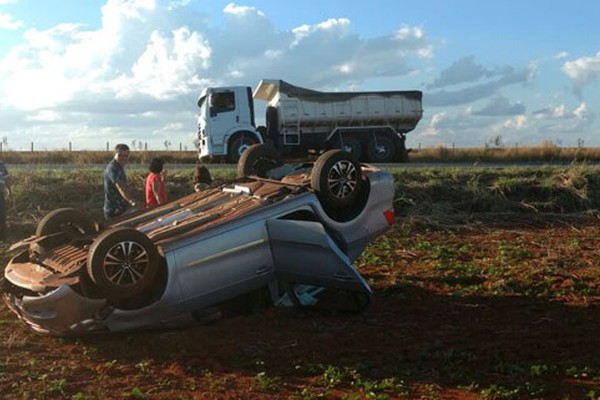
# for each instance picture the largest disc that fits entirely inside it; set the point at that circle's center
(32, 147)
(70, 147)
(107, 148)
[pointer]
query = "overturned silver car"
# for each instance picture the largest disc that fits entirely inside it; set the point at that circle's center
(280, 234)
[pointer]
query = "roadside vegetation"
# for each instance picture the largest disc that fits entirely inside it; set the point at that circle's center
(487, 287)
(438, 194)
(544, 152)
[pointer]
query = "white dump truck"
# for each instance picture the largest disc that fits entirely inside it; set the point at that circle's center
(369, 125)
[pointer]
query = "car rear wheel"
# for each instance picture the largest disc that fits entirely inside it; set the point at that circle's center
(69, 220)
(336, 178)
(258, 160)
(123, 263)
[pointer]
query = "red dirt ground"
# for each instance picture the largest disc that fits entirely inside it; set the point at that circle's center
(428, 335)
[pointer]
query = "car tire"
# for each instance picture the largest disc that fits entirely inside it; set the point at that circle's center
(258, 160)
(123, 263)
(69, 220)
(337, 180)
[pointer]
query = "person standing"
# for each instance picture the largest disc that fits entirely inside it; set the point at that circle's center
(4, 194)
(156, 190)
(117, 197)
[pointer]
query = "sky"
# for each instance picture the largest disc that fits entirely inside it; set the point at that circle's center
(88, 74)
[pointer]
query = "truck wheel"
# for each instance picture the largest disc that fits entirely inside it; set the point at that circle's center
(69, 220)
(123, 263)
(258, 160)
(336, 178)
(381, 149)
(239, 145)
(352, 146)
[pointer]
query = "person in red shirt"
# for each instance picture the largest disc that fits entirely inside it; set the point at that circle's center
(156, 191)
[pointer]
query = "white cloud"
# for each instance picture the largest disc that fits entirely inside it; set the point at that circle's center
(518, 122)
(560, 55)
(433, 128)
(241, 11)
(7, 22)
(582, 71)
(554, 112)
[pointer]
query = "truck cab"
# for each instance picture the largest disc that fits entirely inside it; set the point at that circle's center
(227, 113)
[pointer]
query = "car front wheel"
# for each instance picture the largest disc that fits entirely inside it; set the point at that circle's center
(123, 263)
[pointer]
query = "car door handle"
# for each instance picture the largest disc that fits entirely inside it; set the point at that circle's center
(342, 276)
(262, 270)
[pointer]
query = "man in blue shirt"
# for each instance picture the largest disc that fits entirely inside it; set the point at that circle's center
(117, 198)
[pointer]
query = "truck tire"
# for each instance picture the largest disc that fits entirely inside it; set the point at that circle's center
(350, 145)
(337, 180)
(239, 145)
(381, 149)
(69, 220)
(258, 160)
(123, 263)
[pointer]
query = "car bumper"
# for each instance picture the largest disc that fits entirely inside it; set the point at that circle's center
(59, 312)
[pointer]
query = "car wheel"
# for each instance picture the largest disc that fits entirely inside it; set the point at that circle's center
(239, 146)
(336, 178)
(258, 160)
(69, 220)
(381, 149)
(123, 263)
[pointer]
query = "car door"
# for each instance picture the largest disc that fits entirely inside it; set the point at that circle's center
(309, 263)
(215, 268)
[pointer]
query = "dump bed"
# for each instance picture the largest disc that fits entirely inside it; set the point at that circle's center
(296, 105)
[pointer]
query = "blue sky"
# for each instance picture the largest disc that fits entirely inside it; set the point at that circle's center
(90, 72)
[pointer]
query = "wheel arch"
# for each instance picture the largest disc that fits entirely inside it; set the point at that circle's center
(248, 131)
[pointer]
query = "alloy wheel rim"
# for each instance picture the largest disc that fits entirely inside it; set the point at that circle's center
(126, 263)
(342, 179)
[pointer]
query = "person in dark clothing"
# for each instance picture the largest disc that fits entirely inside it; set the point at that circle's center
(202, 178)
(4, 194)
(117, 197)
